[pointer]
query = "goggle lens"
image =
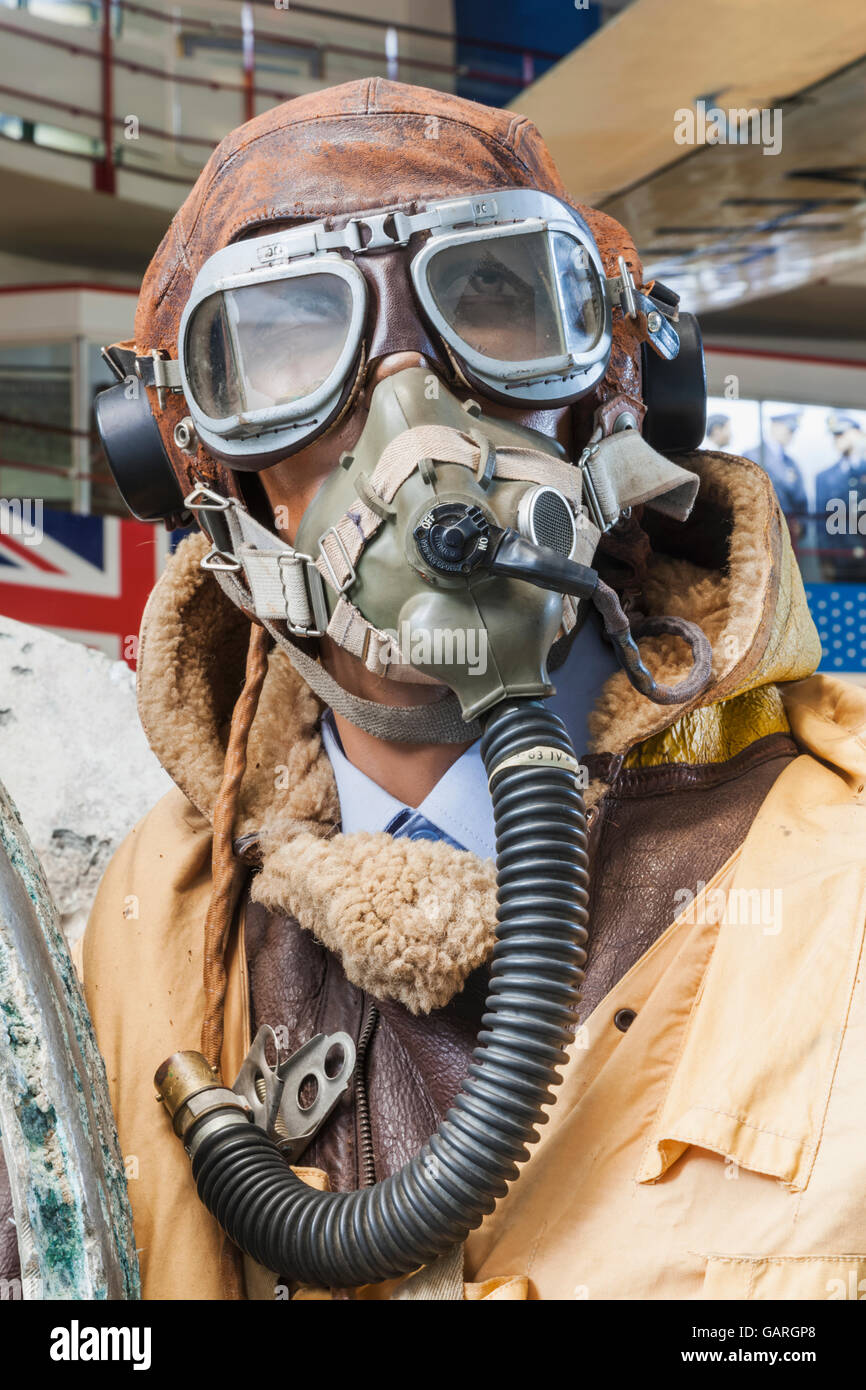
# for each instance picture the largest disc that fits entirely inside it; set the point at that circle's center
(518, 298)
(266, 345)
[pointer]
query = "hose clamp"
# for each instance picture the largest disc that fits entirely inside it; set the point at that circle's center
(542, 755)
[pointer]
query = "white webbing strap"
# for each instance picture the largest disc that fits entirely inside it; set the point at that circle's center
(440, 722)
(279, 581)
(279, 577)
(340, 547)
(278, 585)
(379, 651)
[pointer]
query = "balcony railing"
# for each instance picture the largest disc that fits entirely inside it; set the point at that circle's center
(143, 90)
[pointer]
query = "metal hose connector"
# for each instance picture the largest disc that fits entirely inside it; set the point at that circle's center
(342, 1239)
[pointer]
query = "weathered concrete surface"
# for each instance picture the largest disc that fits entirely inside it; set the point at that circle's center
(74, 758)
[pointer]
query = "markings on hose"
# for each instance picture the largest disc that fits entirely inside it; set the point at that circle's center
(542, 755)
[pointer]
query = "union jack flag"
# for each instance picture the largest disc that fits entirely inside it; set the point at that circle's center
(84, 577)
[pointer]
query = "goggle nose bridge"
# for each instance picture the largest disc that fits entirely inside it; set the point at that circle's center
(401, 327)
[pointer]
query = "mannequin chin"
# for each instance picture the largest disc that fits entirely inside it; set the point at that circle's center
(350, 672)
(409, 771)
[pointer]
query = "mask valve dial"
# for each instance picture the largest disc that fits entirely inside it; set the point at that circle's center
(453, 537)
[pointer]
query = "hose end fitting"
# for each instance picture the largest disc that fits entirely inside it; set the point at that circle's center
(192, 1091)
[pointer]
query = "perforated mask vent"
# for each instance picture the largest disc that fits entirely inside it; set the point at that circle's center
(545, 518)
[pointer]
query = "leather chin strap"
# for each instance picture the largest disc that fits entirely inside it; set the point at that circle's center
(284, 588)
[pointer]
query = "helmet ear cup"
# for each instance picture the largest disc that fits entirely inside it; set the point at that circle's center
(135, 452)
(675, 392)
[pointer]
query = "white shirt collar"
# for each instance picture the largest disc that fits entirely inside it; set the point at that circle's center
(459, 804)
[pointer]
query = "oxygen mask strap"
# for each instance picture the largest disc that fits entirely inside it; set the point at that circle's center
(250, 564)
(439, 722)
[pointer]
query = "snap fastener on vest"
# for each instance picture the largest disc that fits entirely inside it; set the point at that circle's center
(624, 1018)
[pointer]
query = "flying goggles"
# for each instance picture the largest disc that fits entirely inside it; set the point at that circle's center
(512, 284)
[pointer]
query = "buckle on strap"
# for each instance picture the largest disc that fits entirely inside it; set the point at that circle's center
(341, 545)
(204, 499)
(621, 289)
(161, 372)
(660, 332)
(219, 561)
(309, 578)
(383, 229)
(305, 610)
(593, 504)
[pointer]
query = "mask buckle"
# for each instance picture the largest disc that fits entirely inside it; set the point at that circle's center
(298, 582)
(294, 565)
(340, 586)
(203, 499)
(589, 493)
(218, 561)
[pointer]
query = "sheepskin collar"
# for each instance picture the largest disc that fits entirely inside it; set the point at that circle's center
(411, 919)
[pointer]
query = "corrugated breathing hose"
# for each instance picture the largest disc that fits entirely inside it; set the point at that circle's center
(343, 1239)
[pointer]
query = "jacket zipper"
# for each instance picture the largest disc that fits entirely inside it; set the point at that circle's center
(367, 1161)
